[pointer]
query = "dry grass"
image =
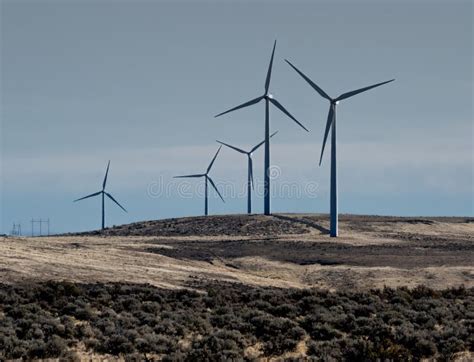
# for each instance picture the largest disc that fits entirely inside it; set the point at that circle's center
(281, 250)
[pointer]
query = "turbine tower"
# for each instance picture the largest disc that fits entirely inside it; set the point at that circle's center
(103, 193)
(331, 122)
(250, 182)
(268, 99)
(206, 179)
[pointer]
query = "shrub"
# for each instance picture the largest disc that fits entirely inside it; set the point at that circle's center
(47, 320)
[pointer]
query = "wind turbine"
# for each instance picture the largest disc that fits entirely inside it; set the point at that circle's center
(250, 182)
(206, 178)
(268, 99)
(331, 122)
(103, 193)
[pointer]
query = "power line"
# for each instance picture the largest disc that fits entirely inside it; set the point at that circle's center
(40, 222)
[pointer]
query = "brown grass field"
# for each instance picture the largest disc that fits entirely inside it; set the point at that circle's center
(287, 250)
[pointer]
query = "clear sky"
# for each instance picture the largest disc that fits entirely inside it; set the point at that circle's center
(139, 82)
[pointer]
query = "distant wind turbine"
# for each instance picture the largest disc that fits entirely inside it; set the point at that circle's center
(331, 121)
(206, 178)
(250, 182)
(103, 193)
(268, 99)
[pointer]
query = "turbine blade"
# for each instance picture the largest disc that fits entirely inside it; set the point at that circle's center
(233, 147)
(111, 197)
(91, 195)
(251, 174)
(105, 178)
(215, 188)
(261, 143)
(281, 108)
(243, 105)
(188, 176)
(269, 71)
(212, 162)
(326, 132)
(310, 82)
(357, 91)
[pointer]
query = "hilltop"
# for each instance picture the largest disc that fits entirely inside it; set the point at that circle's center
(284, 250)
(276, 224)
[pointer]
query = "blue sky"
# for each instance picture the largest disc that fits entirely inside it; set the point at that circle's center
(139, 82)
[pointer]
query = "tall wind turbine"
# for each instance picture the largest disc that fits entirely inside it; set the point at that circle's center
(206, 178)
(250, 182)
(331, 122)
(103, 193)
(268, 99)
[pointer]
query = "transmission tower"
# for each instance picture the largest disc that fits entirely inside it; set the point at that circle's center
(16, 229)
